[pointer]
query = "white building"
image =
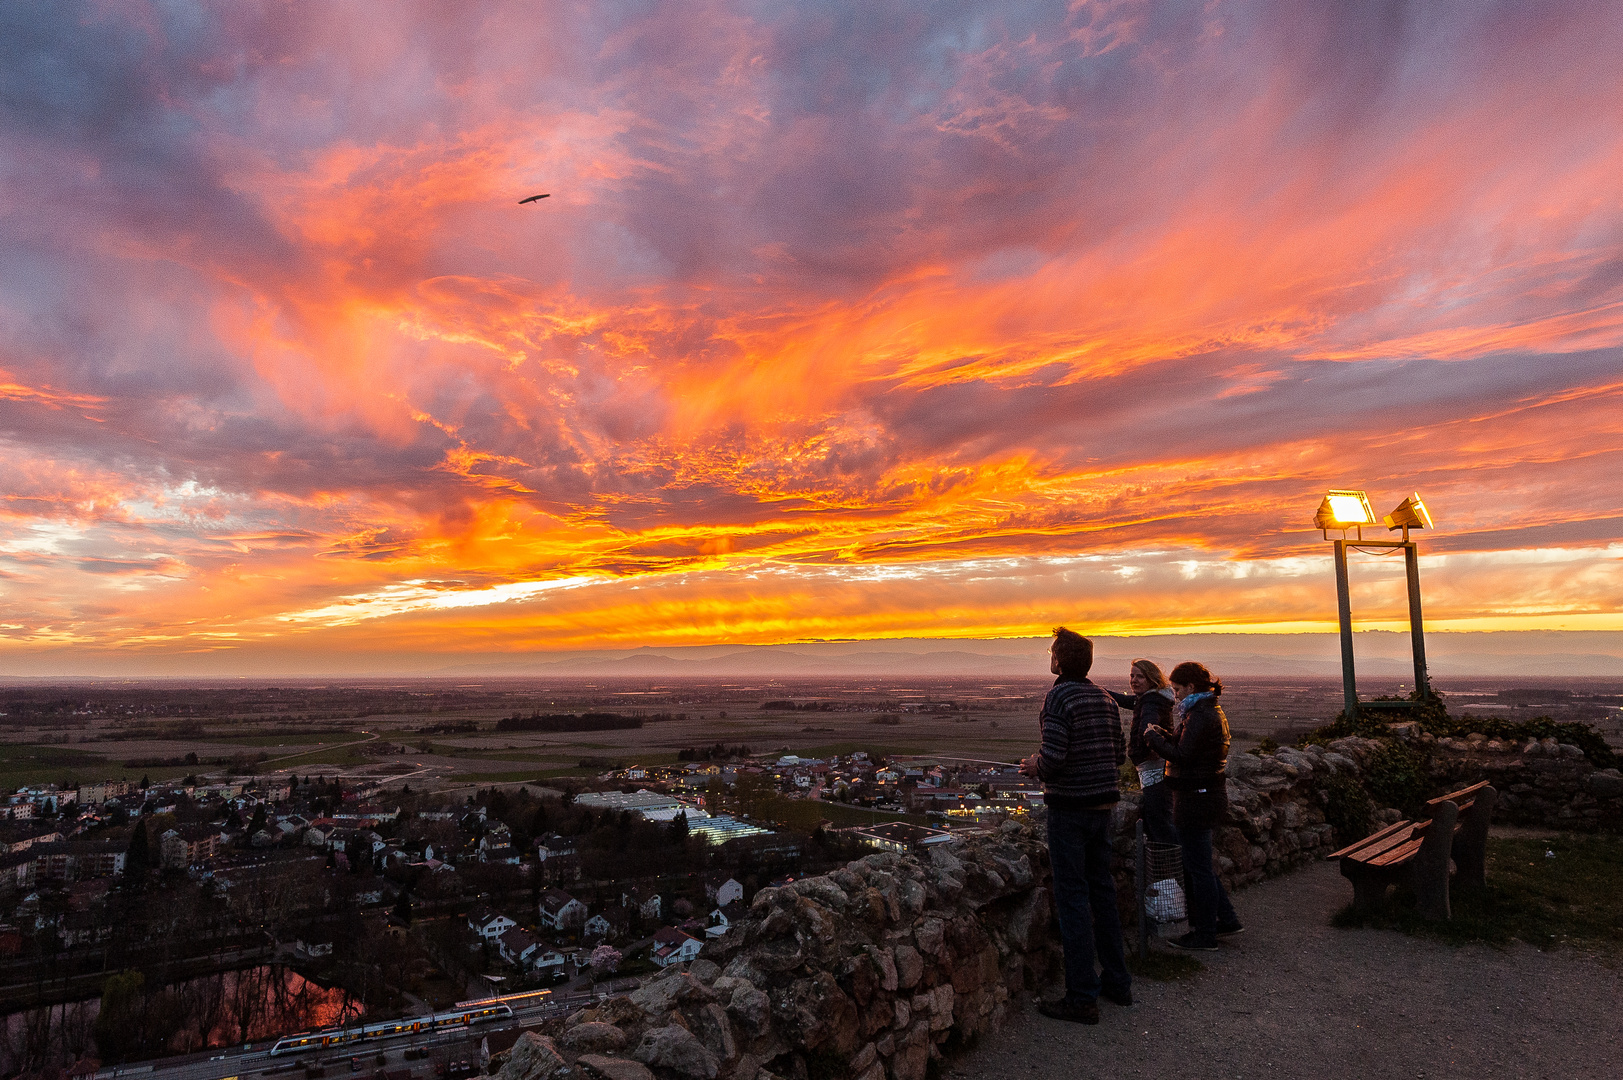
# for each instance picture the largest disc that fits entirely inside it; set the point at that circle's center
(560, 911)
(673, 946)
(489, 924)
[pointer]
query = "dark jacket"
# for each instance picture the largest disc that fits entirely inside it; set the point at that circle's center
(1155, 708)
(1082, 746)
(1197, 764)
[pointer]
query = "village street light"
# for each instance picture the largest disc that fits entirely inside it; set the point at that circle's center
(1348, 510)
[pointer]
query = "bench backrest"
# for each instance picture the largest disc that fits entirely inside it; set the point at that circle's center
(1461, 798)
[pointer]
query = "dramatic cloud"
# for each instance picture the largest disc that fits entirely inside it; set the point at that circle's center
(840, 321)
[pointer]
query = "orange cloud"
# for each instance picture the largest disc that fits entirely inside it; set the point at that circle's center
(831, 327)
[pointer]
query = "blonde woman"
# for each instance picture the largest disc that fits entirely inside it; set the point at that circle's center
(1151, 702)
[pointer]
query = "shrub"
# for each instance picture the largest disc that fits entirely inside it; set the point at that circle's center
(1348, 809)
(1396, 777)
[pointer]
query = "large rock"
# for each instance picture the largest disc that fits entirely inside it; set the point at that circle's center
(533, 1057)
(619, 1009)
(910, 965)
(612, 1068)
(594, 1038)
(664, 994)
(711, 1025)
(1606, 785)
(676, 1049)
(750, 1007)
(816, 1014)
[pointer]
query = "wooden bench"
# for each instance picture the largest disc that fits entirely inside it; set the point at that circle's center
(1470, 846)
(1413, 852)
(1419, 852)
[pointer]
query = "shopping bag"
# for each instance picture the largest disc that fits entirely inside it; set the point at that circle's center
(1164, 901)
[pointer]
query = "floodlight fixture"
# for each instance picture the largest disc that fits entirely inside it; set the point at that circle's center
(1344, 509)
(1410, 514)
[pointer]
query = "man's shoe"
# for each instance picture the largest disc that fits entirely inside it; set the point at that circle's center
(1193, 942)
(1124, 998)
(1230, 929)
(1072, 1011)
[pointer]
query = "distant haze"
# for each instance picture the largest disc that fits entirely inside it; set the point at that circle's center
(1380, 654)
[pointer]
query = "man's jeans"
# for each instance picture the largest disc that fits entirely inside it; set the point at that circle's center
(1085, 899)
(1209, 905)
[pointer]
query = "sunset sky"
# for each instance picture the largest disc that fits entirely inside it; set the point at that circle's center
(843, 320)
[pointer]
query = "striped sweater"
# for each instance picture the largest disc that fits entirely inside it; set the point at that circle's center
(1082, 746)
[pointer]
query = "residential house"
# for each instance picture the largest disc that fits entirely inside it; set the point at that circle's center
(643, 900)
(517, 947)
(559, 858)
(547, 961)
(723, 917)
(487, 923)
(610, 924)
(21, 836)
(560, 911)
(497, 846)
(76, 860)
(97, 794)
(16, 872)
(276, 789)
(188, 845)
(673, 946)
(723, 890)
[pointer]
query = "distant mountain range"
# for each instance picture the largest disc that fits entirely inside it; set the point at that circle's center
(1380, 654)
(1542, 654)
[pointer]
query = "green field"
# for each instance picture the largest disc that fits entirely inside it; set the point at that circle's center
(303, 738)
(337, 755)
(22, 763)
(520, 775)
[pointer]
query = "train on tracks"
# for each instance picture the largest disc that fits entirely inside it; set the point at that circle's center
(462, 1015)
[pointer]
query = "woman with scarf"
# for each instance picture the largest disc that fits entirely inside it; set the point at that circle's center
(1151, 702)
(1196, 752)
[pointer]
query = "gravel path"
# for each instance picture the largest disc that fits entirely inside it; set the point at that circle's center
(1295, 997)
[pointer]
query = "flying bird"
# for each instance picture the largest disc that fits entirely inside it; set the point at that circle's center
(534, 198)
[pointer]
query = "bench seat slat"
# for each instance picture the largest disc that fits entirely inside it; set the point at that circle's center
(1399, 837)
(1401, 853)
(1374, 838)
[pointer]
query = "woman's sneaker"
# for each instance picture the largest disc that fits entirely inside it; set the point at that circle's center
(1194, 942)
(1229, 929)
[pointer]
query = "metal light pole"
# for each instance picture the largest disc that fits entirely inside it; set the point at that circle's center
(1349, 679)
(1349, 511)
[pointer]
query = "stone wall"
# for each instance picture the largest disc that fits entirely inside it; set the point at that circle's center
(870, 972)
(867, 972)
(1540, 782)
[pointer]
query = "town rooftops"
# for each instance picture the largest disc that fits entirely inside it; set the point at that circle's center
(622, 800)
(555, 900)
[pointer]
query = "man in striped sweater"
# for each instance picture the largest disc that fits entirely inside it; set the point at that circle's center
(1082, 749)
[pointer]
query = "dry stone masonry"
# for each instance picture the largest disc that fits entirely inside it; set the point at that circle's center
(867, 972)
(874, 970)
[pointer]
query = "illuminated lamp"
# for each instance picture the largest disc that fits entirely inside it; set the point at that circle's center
(1410, 514)
(1343, 510)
